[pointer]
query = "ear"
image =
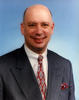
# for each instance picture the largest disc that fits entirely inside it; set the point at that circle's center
(22, 28)
(52, 27)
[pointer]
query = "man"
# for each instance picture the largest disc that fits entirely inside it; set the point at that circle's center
(23, 76)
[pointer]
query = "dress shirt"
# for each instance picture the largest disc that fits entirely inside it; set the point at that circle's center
(33, 58)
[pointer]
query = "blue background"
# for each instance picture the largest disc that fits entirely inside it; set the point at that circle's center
(66, 33)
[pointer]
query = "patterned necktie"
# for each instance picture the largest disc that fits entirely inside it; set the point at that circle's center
(41, 78)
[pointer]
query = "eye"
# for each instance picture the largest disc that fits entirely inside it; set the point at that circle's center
(31, 25)
(45, 24)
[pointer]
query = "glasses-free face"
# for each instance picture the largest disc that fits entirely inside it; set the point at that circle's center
(37, 29)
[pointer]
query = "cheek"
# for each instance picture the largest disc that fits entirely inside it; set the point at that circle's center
(31, 32)
(27, 33)
(48, 32)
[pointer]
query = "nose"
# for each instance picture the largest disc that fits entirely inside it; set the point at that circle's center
(39, 29)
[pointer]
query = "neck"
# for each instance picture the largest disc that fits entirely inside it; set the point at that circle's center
(37, 50)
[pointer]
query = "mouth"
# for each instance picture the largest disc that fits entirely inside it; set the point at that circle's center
(39, 40)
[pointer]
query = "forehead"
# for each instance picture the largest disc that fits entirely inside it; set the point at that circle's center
(38, 14)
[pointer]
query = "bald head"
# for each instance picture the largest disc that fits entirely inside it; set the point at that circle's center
(38, 8)
(37, 27)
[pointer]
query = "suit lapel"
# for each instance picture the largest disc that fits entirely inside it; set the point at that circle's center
(25, 77)
(54, 77)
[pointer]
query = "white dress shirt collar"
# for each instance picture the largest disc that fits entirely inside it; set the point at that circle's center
(32, 54)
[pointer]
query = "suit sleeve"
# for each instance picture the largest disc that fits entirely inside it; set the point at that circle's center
(1, 89)
(71, 88)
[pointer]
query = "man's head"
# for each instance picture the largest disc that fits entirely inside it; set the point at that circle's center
(37, 27)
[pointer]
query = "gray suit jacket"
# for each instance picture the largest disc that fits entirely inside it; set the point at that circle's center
(18, 81)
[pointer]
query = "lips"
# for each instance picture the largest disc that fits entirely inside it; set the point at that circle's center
(38, 39)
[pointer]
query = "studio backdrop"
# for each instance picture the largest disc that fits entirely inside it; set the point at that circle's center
(64, 41)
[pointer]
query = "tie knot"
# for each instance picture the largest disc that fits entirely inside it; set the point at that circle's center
(40, 58)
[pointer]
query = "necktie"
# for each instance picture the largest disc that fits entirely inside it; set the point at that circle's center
(41, 78)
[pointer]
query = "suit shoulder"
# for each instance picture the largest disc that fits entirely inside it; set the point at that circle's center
(57, 56)
(8, 55)
(9, 58)
(59, 61)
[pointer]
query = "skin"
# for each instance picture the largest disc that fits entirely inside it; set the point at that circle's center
(37, 28)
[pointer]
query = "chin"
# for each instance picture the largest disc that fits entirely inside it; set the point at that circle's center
(41, 48)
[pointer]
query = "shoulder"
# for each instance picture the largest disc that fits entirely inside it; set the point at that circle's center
(56, 55)
(9, 56)
(9, 59)
(58, 59)
(12, 54)
(60, 63)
